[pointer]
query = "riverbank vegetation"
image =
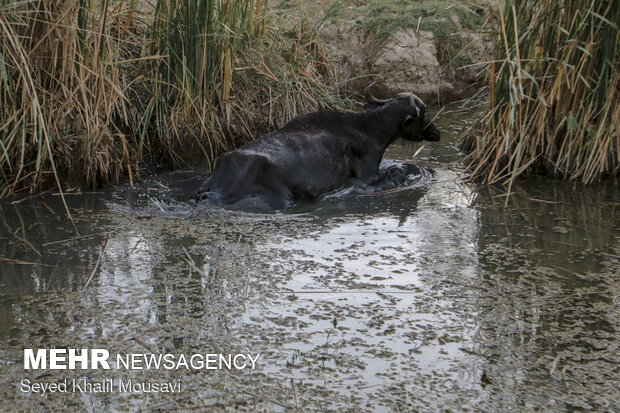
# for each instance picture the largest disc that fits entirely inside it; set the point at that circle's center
(554, 103)
(92, 91)
(95, 91)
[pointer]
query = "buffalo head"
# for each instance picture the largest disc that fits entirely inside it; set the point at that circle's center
(415, 125)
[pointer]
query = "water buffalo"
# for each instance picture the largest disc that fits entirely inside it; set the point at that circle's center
(316, 153)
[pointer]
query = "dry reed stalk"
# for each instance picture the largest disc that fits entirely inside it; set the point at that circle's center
(555, 100)
(91, 91)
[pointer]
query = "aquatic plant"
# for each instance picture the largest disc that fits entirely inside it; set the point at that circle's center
(554, 93)
(92, 91)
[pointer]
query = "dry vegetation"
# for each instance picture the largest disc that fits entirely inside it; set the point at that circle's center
(92, 91)
(95, 90)
(554, 93)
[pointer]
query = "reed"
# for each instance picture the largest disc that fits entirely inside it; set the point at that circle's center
(92, 91)
(554, 94)
(59, 91)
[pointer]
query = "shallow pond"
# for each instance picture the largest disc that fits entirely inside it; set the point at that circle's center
(438, 296)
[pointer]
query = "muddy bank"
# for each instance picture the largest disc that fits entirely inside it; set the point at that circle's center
(408, 61)
(439, 51)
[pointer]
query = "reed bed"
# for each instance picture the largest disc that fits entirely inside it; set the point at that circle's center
(92, 91)
(554, 94)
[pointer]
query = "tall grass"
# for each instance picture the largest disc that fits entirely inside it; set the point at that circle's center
(199, 40)
(95, 90)
(554, 104)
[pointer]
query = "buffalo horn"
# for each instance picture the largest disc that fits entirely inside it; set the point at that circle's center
(370, 98)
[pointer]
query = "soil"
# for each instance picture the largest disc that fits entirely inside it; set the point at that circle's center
(411, 60)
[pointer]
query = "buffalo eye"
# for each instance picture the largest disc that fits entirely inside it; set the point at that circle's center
(408, 120)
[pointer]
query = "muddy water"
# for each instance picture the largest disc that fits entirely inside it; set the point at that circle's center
(437, 296)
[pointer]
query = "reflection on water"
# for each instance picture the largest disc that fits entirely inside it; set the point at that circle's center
(438, 296)
(551, 261)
